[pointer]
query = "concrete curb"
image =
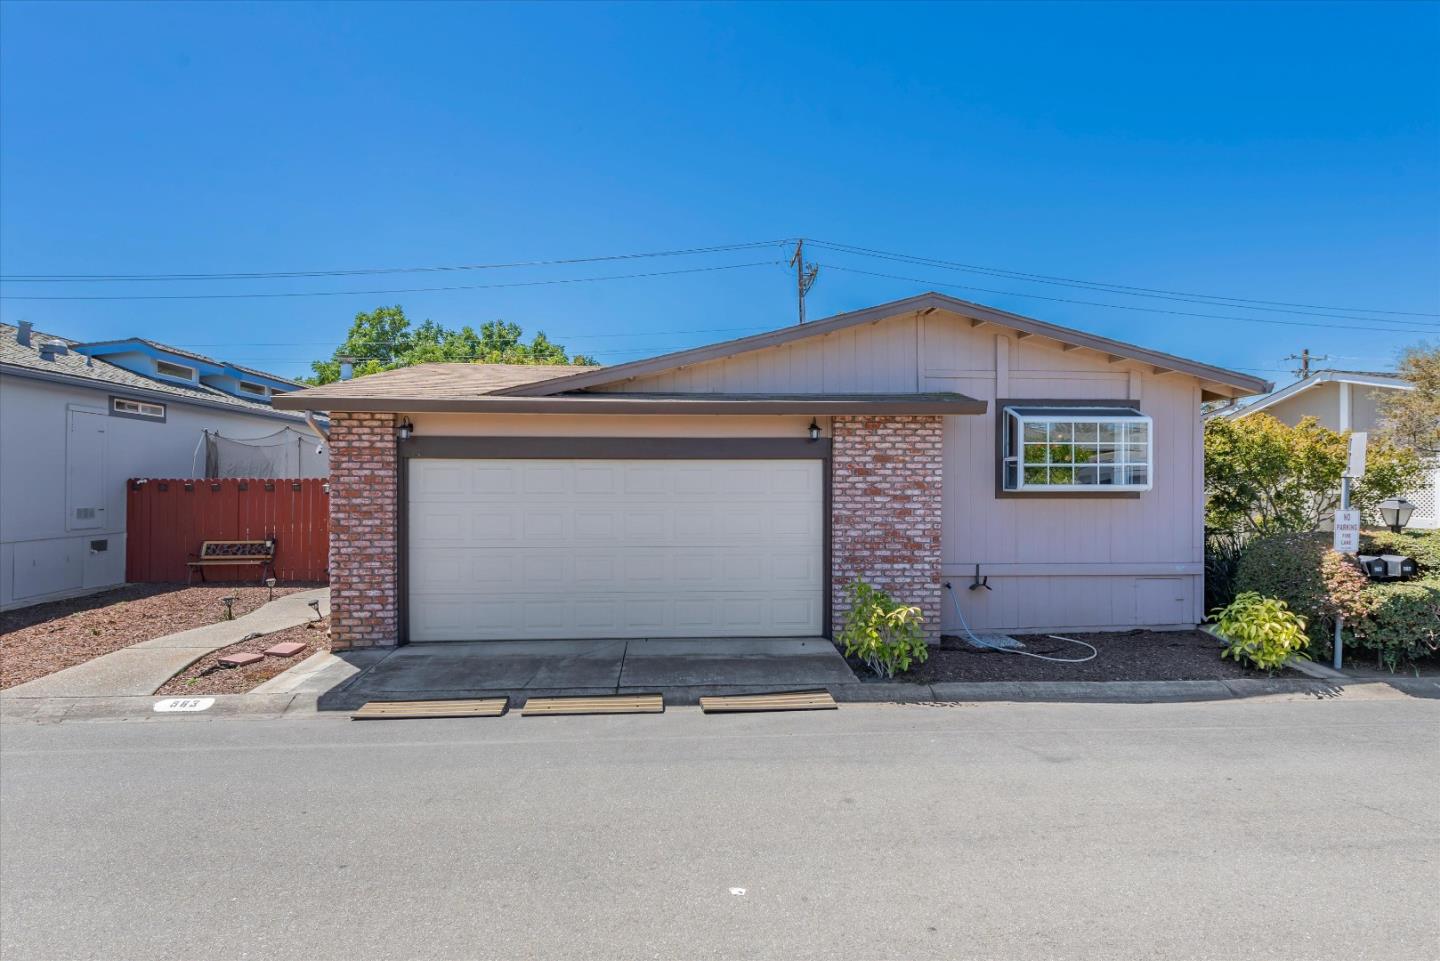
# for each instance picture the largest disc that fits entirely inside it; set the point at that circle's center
(311, 700)
(138, 670)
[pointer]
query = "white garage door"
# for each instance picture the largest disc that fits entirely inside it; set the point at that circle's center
(517, 549)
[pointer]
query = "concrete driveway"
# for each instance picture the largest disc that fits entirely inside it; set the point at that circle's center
(470, 668)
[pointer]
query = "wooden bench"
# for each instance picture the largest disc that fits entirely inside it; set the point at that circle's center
(217, 553)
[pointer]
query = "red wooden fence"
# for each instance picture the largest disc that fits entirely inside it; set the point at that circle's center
(166, 520)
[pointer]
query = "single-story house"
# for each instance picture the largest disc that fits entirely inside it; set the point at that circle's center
(735, 489)
(77, 420)
(1347, 400)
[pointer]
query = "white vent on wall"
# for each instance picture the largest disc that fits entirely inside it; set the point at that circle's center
(84, 513)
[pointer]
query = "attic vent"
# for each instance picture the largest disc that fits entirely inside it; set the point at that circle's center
(51, 350)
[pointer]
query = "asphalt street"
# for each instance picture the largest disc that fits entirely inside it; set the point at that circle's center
(1260, 829)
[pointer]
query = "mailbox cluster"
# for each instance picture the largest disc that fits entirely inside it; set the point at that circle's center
(1387, 567)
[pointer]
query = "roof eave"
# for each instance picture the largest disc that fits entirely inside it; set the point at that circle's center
(127, 390)
(493, 404)
(1232, 380)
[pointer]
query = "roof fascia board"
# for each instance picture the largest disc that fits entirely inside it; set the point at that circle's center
(927, 301)
(493, 404)
(138, 346)
(125, 390)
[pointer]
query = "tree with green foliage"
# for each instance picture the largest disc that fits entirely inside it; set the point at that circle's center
(383, 339)
(1411, 418)
(1264, 477)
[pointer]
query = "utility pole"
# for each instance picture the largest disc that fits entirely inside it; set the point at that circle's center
(1305, 358)
(804, 277)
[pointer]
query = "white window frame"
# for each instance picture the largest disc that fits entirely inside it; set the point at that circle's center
(188, 376)
(125, 407)
(1019, 417)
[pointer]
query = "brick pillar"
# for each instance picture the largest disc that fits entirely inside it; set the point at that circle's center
(364, 545)
(885, 510)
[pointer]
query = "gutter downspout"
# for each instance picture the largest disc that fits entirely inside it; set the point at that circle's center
(313, 425)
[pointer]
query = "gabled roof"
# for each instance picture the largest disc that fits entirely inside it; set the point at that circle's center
(431, 381)
(1238, 384)
(95, 372)
(1361, 377)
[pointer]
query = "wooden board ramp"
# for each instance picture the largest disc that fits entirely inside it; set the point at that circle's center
(598, 704)
(402, 710)
(819, 700)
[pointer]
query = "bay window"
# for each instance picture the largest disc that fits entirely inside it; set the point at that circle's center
(1076, 449)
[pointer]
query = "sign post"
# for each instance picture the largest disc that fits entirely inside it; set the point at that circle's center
(1347, 525)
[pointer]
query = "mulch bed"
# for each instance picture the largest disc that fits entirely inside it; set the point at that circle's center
(45, 638)
(1124, 656)
(206, 676)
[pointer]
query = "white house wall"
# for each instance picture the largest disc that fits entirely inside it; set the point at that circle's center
(40, 559)
(1075, 562)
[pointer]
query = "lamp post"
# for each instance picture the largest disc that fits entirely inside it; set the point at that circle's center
(1396, 513)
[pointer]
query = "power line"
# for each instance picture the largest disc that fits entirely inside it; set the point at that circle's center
(1148, 310)
(1240, 302)
(398, 290)
(281, 274)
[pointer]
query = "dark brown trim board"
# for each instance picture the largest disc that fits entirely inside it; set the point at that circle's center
(611, 448)
(818, 405)
(619, 448)
(1002, 493)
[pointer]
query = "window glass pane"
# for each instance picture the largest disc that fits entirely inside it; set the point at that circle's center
(1087, 475)
(1087, 454)
(1062, 475)
(1086, 433)
(1062, 431)
(1061, 454)
(1137, 433)
(1011, 468)
(1136, 475)
(1109, 433)
(1108, 454)
(1035, 453)
(1134, 453)
(1035, 432)
(1035, 475)
(1110, 475)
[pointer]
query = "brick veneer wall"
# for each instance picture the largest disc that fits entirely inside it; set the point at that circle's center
(885, 510)
(364, 571)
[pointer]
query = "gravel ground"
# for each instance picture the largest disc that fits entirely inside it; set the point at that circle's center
(206, 676)
(1124, 656)
(45, 638)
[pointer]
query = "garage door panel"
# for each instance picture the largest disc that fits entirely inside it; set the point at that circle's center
(573, 549)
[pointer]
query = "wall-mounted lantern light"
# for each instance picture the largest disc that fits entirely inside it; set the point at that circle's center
(814, 430)
(1396, 512)
(405, 429)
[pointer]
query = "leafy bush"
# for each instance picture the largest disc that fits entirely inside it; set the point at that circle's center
(1402, 623)
(1222, 557)
(882, 632)
(1261, 630)
(1288, 567)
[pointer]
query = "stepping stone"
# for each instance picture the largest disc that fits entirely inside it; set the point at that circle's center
(239, 660)
(285, 649)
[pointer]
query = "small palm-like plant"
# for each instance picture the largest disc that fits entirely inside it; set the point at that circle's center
(883, 633)
(1261, 630)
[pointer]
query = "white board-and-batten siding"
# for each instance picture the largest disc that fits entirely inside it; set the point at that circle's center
(1052, 562)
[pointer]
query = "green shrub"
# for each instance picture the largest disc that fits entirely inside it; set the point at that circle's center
(1402, 623)
(881, 632)
(1424, 546)
(1261, 630)
(1222, 557)
(1287, 567)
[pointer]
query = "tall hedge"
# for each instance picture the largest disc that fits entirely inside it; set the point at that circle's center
(1287, 566)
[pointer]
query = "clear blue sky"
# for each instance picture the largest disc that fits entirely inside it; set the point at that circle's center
(1286, 152)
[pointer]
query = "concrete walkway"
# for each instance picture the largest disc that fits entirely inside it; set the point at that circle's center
(141, 668)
